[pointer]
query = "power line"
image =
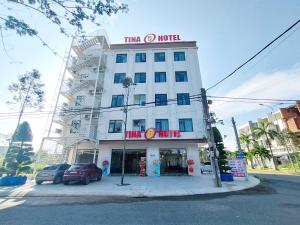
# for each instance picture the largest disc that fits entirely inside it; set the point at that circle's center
(253, 102)
(255, 99)
(71, 112)
(254, 56)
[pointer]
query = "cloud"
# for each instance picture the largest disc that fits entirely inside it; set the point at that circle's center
(282, 84)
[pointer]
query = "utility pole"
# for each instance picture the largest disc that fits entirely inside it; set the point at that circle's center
(238, 143)
(210, 139)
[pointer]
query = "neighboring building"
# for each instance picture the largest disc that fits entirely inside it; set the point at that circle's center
(284, 119)
(88, 123)
(291, 118)
(277, 124)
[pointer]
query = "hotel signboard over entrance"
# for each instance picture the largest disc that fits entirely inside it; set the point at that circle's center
(152, 133)
(149, 38)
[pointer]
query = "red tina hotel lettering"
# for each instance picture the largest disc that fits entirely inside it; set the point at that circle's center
(160, 134)
(149, 38)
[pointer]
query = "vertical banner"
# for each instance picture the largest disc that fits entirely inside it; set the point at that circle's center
(143, 166)
(191, 167)
(105, 166)
(156, 168)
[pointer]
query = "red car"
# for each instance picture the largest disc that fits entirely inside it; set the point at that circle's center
(83, 173)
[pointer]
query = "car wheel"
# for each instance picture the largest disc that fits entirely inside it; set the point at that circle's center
(99, 177)
(66, 182)
(86, 180)
(201, 171)
(38, 182)
(57, 180)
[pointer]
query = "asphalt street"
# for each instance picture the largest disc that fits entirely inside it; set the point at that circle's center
(275, 201)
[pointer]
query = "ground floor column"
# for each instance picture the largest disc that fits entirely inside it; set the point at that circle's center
(193, 154)
(104, 159)
(153, 166)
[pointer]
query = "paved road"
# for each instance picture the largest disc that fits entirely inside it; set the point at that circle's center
(275, 201)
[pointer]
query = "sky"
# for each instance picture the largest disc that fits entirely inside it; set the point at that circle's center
(227, 34)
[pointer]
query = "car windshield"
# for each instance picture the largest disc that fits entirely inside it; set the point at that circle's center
(207, 163)
(77, 167)
(53, 167)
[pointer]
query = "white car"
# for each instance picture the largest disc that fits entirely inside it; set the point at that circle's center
(205, 167)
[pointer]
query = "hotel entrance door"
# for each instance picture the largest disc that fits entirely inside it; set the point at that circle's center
(132, 160)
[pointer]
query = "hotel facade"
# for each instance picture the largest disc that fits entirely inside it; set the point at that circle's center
(165, 125)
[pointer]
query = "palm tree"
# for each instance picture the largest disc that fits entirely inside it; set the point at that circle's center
(264, 130)
(246, 139)
(262, 152)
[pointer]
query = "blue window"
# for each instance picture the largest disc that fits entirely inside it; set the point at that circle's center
(181, 76)
(179, 56)
(121, 58)
(140, 57)
(160, 77)
(161, 99)
(140, 78)
(161, 124)
(115, 126)
(117, 100)
(185, 125)
(119, 78)
(183, 99)
(159, 57)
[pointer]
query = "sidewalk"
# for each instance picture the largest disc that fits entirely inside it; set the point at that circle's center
(139, 187)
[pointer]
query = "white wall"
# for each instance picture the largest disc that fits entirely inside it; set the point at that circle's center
(173, 112)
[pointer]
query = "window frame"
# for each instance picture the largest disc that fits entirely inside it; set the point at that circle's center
(184, 120)
(140, 127)
(123, 74)
(138, 74)
(139, 57)
(75, 129)
(160, 102)
(80, 100)
(183, 101)
(117, 105)
(122, 61)
(159, 76)
(178, 58)
(159, 121)
(177, 73)
(157, 59)
(139, 100)
(114, 122)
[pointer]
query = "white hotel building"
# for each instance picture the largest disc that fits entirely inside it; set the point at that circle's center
(88, 124)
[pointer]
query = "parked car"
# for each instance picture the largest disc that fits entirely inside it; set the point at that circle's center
(205, 167)
(53, 173)
(83, 173)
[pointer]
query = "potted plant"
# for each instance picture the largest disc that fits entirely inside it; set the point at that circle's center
(225, 172)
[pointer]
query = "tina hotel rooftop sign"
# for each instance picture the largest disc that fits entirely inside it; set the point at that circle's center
(149, 38)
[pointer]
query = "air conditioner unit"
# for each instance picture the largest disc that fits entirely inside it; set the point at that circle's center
(87, 117)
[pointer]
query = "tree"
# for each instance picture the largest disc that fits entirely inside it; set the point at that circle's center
(20, 153)
(23, 133)
(262, 152)
(264, 130)
(27, 92)
(247, 139)
(287, 139)
(222, 159)
(62, 13)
